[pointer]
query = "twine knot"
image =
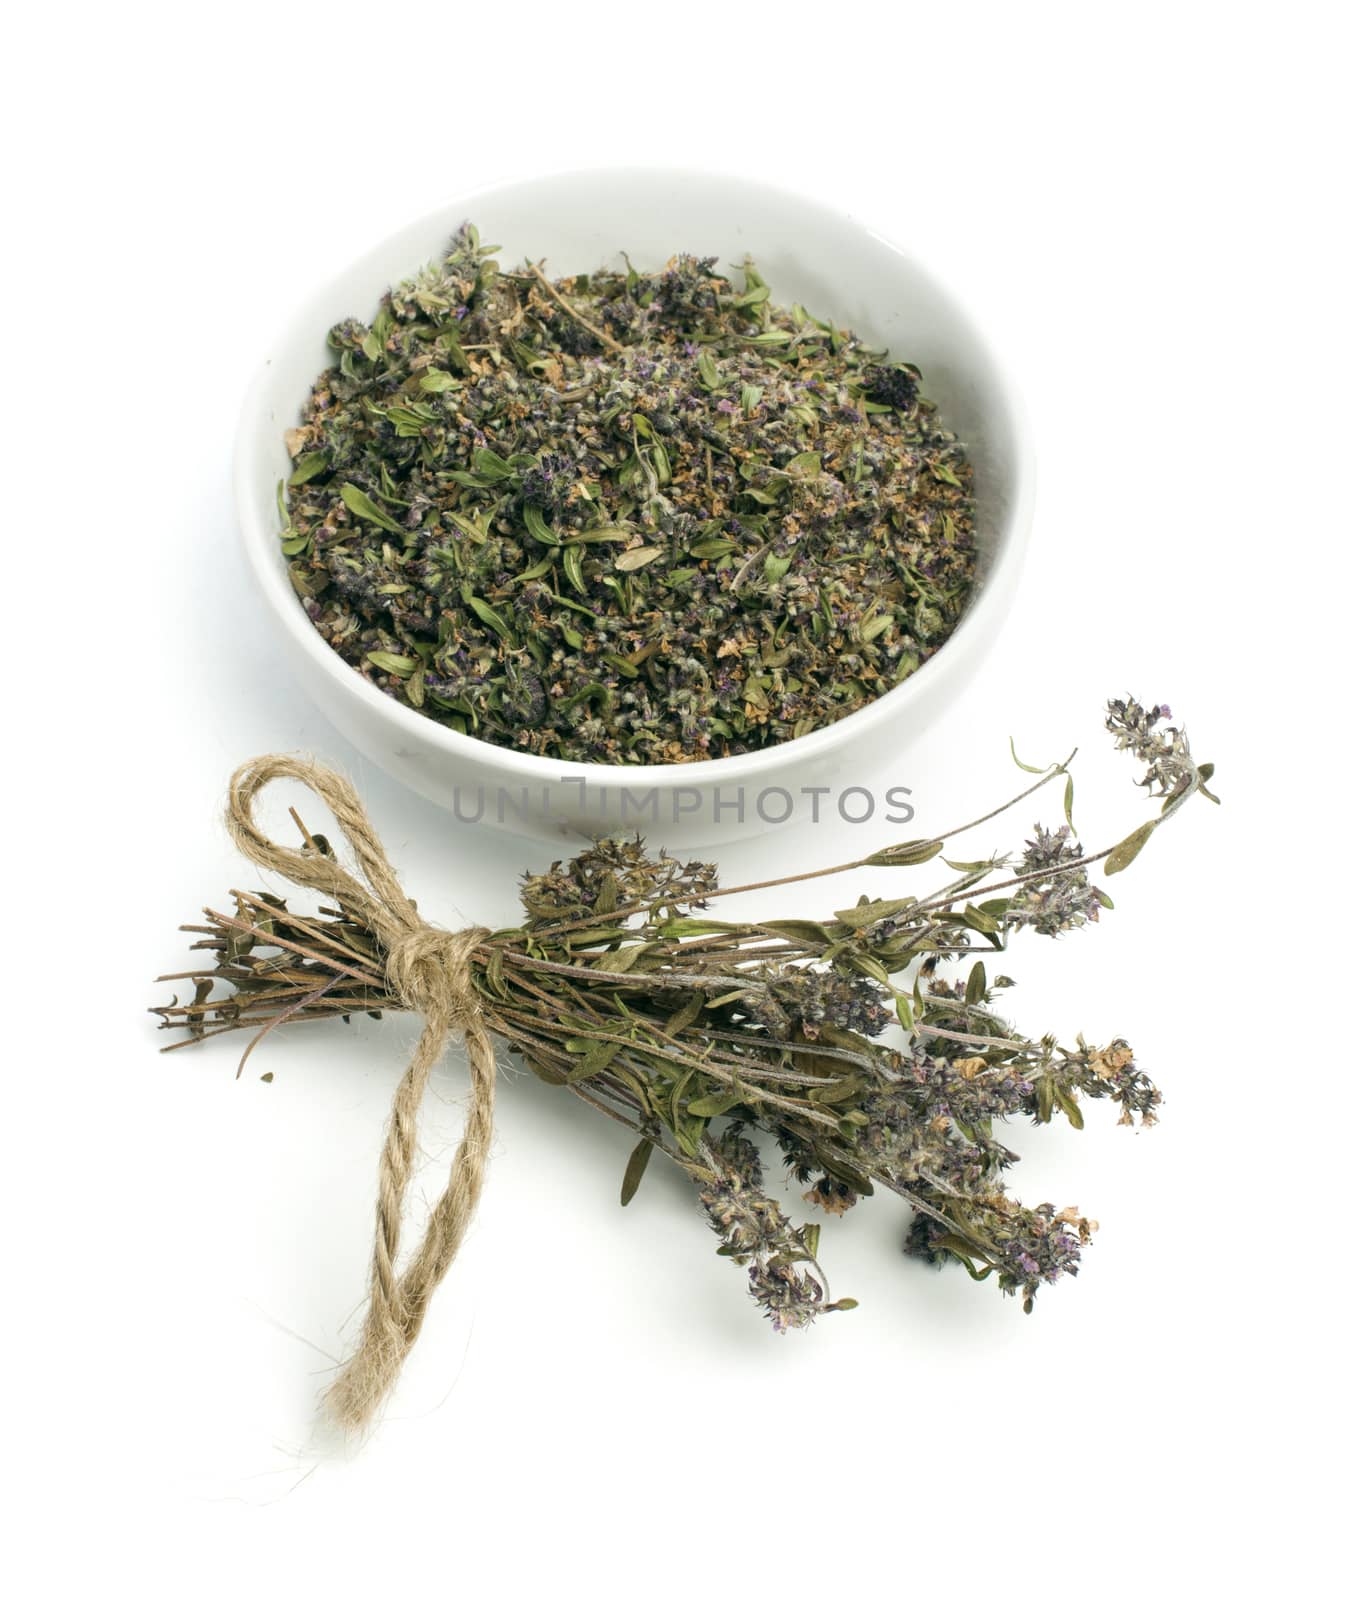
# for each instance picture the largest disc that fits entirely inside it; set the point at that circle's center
(430, 969)
(432, 972)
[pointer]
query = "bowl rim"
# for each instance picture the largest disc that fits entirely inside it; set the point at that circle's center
(984, 611)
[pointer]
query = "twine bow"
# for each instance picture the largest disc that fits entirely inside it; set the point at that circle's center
(429, 969)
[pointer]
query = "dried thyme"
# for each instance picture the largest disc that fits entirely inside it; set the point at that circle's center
(622, 517)
(698, 1034)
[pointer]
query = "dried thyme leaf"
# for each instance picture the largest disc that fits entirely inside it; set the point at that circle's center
(636, 1167)
(359, 503)
(1124, 854)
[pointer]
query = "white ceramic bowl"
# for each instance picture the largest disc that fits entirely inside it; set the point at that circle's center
(580, 221)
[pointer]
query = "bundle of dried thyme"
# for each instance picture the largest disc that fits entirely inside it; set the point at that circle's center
(700, 1035)
(623, 517)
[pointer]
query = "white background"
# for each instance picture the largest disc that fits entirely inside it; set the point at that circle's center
(1150, 208)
